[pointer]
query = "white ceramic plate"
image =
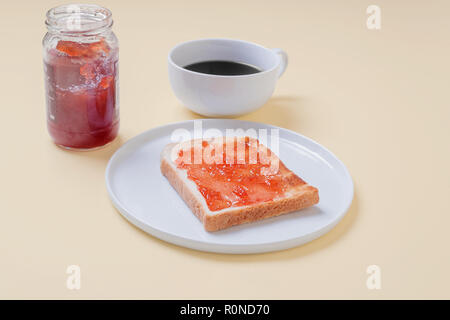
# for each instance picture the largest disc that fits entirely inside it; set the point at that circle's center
(143, 195)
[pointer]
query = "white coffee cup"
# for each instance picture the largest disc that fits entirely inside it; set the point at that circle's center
(219, 95)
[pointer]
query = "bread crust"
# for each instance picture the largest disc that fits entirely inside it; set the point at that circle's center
(304, 196)
(186, 194)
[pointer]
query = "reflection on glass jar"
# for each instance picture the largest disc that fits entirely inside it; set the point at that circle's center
(81, 76)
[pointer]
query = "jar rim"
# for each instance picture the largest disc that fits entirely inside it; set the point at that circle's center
(78, 19)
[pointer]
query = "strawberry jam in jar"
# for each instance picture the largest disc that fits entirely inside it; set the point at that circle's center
(81, 76)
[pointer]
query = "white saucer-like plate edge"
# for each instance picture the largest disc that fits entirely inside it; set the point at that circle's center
(262, 247)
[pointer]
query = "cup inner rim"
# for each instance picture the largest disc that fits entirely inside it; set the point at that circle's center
(263, 72)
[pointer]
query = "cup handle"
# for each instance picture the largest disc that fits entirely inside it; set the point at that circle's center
(283, 60)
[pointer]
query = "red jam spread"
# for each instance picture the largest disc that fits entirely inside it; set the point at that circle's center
(82, 106)
(232, 184)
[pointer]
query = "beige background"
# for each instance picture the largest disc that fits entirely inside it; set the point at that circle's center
(378, 99)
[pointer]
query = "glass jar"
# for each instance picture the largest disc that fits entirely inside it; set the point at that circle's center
(81, 76)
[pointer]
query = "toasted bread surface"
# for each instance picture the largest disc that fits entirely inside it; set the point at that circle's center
(297, 195)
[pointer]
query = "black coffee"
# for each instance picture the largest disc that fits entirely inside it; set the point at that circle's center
(222, 68)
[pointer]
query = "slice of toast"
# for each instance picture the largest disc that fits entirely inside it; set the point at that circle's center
(228, 193)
